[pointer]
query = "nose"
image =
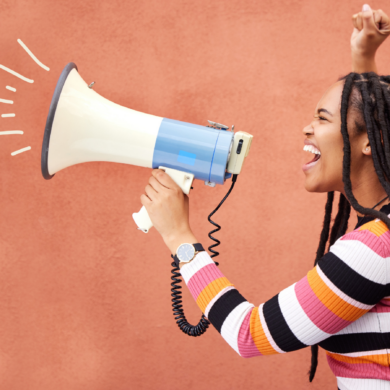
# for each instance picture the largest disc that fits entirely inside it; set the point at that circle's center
(308, 130)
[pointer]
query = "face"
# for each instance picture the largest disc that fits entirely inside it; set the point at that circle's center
(324, 142)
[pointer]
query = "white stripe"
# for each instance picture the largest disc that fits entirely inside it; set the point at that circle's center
(6, 101)
(16, 74)
(267, 332)
(362, 384)
(201, 260)
(211, 303)
(11, 88)
(365, 353)
(369, 323)
(8, 132)
(297, 320)
(7, 115)
(361, 259)
(343, 296)
(20, 151)
(32, 55)
(232, 324)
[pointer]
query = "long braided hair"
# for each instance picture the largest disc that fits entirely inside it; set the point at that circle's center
(369, 96)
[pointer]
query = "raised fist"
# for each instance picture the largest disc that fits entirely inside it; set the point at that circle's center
(371, 28)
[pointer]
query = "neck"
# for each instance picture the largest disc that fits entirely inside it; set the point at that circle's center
(368, 191)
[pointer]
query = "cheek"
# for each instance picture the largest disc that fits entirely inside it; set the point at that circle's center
(329, 175)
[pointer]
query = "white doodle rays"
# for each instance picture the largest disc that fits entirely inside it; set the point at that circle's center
(10, 115)
(16, 74)
(6, 101)
(32, 55)
(10, 132)
(20, 151)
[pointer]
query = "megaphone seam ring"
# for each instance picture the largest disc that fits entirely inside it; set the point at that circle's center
(177, 307)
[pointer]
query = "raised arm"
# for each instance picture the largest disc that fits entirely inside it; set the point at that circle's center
(371, 28)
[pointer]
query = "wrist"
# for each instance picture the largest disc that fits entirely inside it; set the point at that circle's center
(176, 239)
(363, 62)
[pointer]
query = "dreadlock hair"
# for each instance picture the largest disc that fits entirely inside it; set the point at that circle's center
(369, 96)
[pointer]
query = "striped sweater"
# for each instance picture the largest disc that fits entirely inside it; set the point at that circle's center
(343, 304)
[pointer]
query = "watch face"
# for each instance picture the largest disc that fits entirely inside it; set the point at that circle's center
(185, 252)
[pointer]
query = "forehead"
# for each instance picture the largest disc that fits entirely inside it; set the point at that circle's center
(331, 100)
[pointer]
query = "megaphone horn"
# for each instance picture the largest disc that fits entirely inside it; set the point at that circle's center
(83, 126)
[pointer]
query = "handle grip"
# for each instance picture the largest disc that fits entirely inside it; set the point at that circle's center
(182, 179)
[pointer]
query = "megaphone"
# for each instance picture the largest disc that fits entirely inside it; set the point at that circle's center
(83, 126)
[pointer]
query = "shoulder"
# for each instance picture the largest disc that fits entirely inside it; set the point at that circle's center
(374, 235)
(366, 250)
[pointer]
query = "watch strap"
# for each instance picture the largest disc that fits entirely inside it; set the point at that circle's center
(198, 248)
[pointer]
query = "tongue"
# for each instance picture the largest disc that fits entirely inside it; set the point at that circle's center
(316, 157)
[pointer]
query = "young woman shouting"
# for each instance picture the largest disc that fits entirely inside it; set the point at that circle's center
(343, 303)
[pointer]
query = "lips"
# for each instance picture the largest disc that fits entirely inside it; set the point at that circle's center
(311, 148)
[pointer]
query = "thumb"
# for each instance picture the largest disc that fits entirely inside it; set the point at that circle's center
(368, 19)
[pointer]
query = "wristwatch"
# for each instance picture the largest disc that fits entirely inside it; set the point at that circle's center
(186, 252)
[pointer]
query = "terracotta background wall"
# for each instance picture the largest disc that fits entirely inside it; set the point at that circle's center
(84, 296)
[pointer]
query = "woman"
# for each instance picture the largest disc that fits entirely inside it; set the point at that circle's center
(343, 304)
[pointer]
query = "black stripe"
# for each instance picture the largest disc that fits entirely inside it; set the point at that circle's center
(350, 282)
(223, 306)
(356, 342)
(277, 325)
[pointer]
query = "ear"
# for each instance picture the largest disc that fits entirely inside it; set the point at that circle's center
(366, 148)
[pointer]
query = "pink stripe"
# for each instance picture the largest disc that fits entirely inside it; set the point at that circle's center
(318, 313)
(203, 278)
(361, 370)
(246, 345)
(380, 308)
(385, 237)
(367, 238)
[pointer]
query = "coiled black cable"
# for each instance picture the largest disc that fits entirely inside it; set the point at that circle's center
(177, 307)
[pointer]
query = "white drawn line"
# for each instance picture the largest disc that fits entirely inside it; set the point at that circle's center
(32, 55)
(20, 151)
(11, 88)
(7, 115)
(16, 74)
(6, 101)
(8, 132)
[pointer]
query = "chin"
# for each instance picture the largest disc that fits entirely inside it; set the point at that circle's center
(316, 186)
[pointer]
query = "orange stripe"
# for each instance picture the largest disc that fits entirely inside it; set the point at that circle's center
(382, 359)
(377, 228)
(331, 300)
(258, 335)
(210, 291)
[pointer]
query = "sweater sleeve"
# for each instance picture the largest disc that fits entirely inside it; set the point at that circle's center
(346, 283)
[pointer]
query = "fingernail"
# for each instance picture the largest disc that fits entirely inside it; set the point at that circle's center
(366, 7)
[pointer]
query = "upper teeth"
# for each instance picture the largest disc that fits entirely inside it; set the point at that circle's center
(311, 149)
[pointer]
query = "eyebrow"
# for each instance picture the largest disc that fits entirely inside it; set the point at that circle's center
(324, 110)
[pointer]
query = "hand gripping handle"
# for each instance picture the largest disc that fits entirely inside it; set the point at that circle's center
(182, 179)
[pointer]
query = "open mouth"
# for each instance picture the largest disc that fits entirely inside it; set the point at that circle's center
(317, 156)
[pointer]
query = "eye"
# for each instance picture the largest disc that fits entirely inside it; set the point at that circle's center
(322, 118)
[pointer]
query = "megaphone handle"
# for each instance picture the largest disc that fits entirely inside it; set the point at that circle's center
(143, 220)
(182, 179)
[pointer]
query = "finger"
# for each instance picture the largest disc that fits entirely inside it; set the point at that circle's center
(145, 200)
(164, 179)
(151, 192)
(357, 21)
(368, 20)
(156, 184)
(382, 21)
